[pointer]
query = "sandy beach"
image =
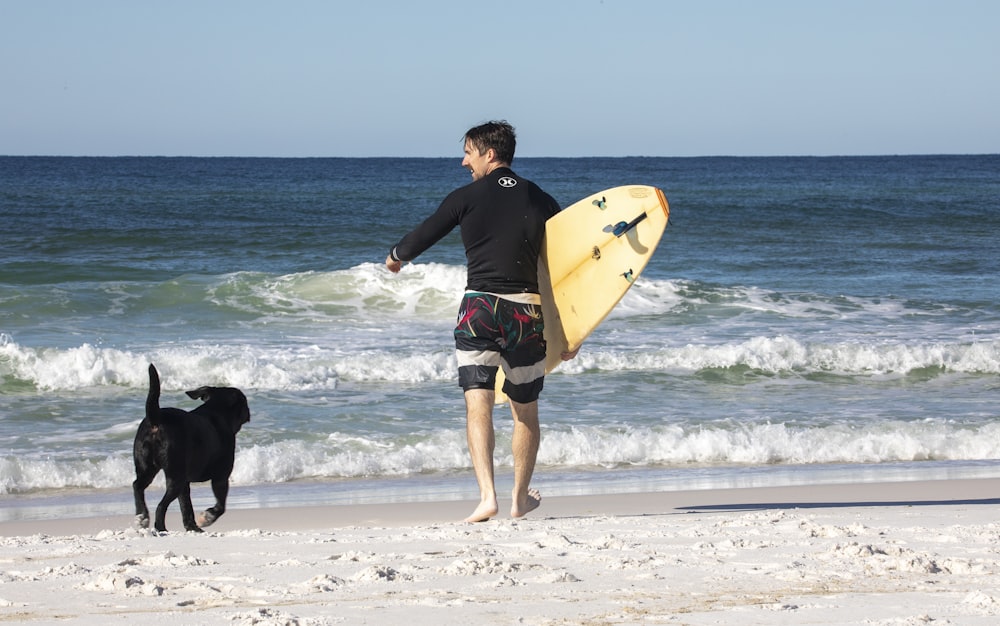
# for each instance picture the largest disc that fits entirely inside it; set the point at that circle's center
(889, 553)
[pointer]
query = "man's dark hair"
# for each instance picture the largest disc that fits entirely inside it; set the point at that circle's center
(498, 135)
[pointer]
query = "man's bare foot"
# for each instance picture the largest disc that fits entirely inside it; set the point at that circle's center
(484, 511)
(533, 500)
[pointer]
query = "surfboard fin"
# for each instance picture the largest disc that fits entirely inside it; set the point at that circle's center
(621, 227)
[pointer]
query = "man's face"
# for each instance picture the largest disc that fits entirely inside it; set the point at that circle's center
(478, 164)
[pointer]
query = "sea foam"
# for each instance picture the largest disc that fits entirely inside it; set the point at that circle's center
(313, 367)
(350, 456)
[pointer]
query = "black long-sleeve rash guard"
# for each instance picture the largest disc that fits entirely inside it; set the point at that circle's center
(502, 217)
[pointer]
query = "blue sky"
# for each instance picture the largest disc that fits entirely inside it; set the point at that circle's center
(577, 78)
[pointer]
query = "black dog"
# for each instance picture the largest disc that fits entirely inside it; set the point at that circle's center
(189, 447)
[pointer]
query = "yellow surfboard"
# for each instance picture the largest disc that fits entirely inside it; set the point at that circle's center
(592, 253)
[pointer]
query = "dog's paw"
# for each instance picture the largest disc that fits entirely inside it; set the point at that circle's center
(207, 518)
(141, 521)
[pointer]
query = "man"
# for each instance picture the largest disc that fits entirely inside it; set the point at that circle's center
(502, 219)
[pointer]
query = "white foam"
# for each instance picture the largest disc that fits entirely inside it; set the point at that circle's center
(788, 355)
(346, 455)
(365, 292)
(314, 367)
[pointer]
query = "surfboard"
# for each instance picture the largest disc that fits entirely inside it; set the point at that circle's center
(592, 253)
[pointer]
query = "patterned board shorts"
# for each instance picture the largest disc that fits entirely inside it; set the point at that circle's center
(494, 332)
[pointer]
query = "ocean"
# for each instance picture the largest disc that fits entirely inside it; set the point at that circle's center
(805, 320)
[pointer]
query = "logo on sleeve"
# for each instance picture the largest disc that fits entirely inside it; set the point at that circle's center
(507, 181)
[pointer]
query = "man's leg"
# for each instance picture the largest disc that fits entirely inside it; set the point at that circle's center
(479, 432)
(527, 435)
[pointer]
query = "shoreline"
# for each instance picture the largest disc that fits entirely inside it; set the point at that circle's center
(944, 492)
(86, 503)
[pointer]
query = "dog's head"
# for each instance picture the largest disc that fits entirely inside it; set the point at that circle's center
(228, 401)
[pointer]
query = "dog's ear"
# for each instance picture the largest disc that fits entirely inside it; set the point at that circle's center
(201, 393)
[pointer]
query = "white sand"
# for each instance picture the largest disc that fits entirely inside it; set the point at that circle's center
(893, 553)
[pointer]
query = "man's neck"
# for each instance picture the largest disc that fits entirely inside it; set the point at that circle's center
(495, 165)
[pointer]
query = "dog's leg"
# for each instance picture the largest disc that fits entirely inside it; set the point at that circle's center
(187, 509)
(161, 510)
(142, 481)
(220, 488)
(180, 491)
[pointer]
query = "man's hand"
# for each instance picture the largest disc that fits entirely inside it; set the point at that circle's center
(393, 265)
(570, 354)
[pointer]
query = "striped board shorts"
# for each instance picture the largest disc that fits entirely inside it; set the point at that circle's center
(493, 332)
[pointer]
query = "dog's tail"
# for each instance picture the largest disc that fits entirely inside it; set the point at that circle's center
(153, 398)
